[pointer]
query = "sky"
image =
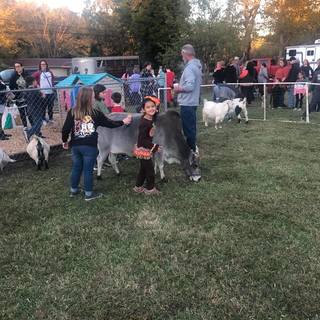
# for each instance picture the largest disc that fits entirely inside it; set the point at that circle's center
(74, 5)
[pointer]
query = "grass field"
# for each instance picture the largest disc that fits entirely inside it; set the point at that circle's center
(243, 243)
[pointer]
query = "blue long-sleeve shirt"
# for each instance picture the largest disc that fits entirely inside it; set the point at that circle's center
(190, 84)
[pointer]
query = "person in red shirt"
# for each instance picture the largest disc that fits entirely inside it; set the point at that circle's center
(170, 79)
(116, 100)
(280, 76)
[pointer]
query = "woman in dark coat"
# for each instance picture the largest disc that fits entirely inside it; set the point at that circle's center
(147, 82)
(307, 70)
(248, 75)
(18, 82)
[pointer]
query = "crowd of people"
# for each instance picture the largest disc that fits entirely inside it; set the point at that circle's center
(282, 77)
(89, 111)
(35, 106)
(146, 83)
(80, 128)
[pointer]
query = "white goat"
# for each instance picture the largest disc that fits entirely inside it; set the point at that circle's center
(219, 111)
(38, 150)
(4, 159)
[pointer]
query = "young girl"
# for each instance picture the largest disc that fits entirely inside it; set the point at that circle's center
(299, 91)
(82, 123)
(146, 131)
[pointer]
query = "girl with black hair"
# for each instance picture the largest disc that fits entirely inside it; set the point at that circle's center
(145, 147)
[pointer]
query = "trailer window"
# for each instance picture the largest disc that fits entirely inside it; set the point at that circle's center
(292, 53)
(99, 62)
(310, 52)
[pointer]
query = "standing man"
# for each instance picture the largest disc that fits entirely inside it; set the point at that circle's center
(189, 94)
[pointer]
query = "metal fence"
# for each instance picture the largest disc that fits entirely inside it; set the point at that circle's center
(42, 111)
(262, 100)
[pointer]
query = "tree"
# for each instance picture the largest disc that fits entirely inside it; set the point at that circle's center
(40, 31)
(108, 33)
(50, 32)
(292, 21)
(154, 29)
(243, 14)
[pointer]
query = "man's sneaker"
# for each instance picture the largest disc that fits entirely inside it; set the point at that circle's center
(75, 193)
(138, 189)
(151, 192)
(94, 195)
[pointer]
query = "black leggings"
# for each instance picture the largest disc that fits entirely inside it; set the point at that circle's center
(146, 174)
(48, 102)
(299, 100)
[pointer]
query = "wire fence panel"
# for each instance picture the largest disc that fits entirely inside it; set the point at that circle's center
(26, 113)
(40, 112)
(136, 89)
(276, 101)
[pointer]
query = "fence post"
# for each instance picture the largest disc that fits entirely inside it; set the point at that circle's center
(307, 105)
(165, 92)
(264, 102)
(60, 109)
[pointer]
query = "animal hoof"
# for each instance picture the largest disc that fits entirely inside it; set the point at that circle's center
(247, 122)
(195, 178)
(99, 178)
(239, 121)
(164, 180)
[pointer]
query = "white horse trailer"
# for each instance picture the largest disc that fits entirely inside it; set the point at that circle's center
(115, 65)
(311, 52)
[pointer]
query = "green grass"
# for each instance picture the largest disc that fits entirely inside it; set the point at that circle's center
(241, 244)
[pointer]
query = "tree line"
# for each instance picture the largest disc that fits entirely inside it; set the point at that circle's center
(155, 30)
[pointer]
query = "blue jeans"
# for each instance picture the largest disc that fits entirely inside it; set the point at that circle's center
(189, 124)
(291, 97)
(36, 124)
(83, 158)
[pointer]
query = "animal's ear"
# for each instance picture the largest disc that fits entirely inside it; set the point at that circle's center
(238, 110)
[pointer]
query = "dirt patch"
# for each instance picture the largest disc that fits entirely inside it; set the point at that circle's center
(17, 143)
